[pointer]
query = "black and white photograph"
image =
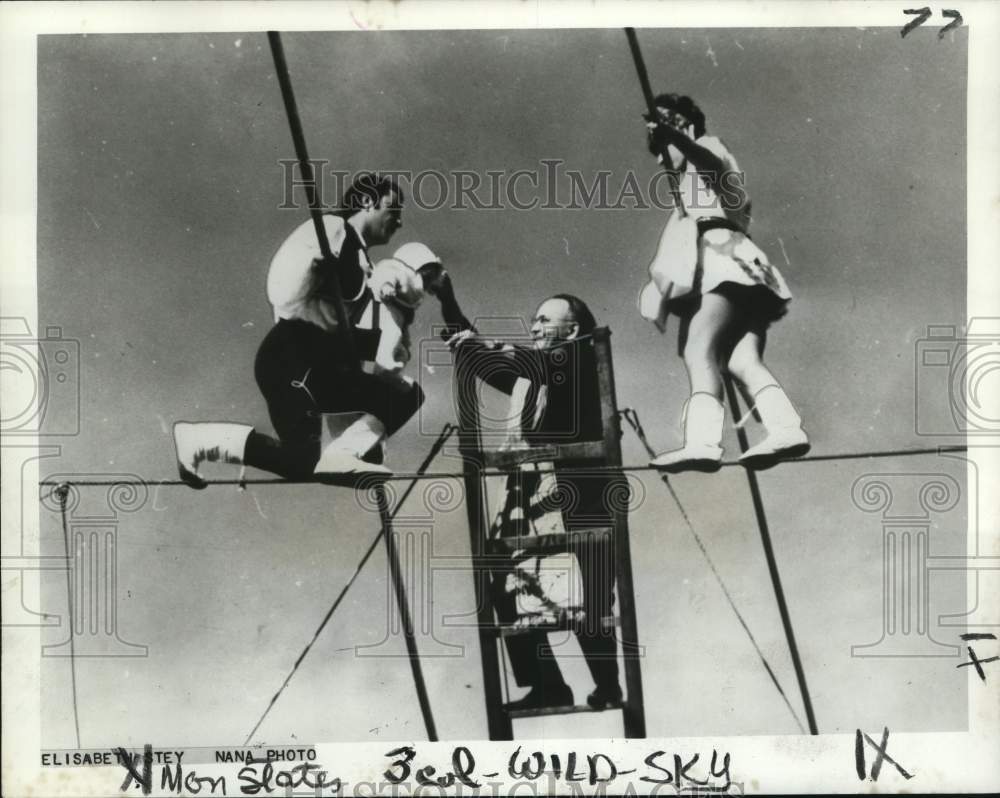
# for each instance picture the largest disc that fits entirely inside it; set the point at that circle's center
(500, 398)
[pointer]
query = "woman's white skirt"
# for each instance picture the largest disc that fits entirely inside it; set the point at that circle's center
(719, 256)
(728, 256)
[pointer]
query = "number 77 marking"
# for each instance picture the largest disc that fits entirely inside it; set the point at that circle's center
(924, 14)
(956, 20)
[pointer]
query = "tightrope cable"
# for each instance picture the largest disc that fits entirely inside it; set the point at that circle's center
(772, 564)
(62, 494)
(61, 490)
(499, 472)
(446, 433)
(632, 417)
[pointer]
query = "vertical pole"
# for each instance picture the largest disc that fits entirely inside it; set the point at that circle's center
(647, 94)
(497, 720)
(438, 444)
(309, 180)
(404, 610)
(634, 712)
(772, 564)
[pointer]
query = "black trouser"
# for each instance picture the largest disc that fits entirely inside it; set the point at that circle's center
(302, 373)
(531, 658)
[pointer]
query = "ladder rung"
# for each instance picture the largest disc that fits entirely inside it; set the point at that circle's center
(513, 630)
(540, 543)
(588, 450)
(534, 713)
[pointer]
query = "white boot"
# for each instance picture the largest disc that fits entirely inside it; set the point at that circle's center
(343, 454)
(207, 442)
(785, 436)
(703, 417)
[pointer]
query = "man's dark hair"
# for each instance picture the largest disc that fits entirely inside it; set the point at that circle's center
(581, 313)
(371, 186)
(683, 105)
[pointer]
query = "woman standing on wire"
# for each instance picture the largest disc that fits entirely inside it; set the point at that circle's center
(709, 273)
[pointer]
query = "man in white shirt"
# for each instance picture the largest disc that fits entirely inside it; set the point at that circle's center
(302, 366)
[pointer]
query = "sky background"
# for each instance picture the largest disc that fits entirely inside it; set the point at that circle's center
(158, 191)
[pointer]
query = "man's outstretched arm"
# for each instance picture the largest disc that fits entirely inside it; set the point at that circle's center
(438, 283)
(493, 362)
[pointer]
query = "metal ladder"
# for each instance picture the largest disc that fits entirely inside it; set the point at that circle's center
(487, 552)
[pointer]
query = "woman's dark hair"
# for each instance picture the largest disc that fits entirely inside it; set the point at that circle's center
(683, 105)
(371, 186)
(581, 313)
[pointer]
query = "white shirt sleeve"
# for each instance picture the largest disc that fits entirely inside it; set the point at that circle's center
(708, 203)
(715, 146)
(290, 274)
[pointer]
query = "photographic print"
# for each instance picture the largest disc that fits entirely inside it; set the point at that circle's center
(495, 398)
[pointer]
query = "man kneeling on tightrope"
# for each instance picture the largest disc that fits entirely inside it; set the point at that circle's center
(331, 418)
